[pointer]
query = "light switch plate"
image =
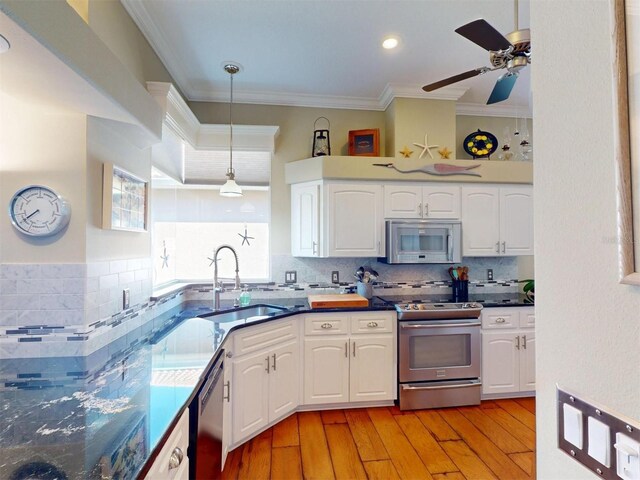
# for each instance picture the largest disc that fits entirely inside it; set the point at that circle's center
(594, 436)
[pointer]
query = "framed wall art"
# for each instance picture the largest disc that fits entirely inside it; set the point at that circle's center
(124, 200)
(364, 142)
(626, 83)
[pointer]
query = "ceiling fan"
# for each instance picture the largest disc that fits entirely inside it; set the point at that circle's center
(511, 52)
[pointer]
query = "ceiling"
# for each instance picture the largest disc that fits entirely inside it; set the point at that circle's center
(326, 52)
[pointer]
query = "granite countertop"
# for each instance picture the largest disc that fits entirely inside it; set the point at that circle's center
(102, 416)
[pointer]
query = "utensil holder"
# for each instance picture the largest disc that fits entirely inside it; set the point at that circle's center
(460, 290)
(364, 290)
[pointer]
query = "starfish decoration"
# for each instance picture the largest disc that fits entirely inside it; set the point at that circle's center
(211, 260)
(445, 153)
(426, 148)
(245, 237)
(406, 153)
(165, 255)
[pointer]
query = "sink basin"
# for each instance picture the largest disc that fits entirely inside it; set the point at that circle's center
(254, 312)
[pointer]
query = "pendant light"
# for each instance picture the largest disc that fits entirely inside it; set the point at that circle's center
(231, 188)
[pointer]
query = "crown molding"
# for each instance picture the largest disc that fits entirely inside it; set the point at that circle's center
(178, 115)
(288, 99)
(183, 122)
(394, 90)
(172, 62)
(482, 110)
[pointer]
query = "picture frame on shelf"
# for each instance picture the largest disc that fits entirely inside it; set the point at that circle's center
(626, 84)
(364, 142)
(125, 199)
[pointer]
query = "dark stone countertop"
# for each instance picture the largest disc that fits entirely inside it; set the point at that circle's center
(102, 416)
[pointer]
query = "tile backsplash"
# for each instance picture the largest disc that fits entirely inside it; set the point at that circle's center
(50, 310)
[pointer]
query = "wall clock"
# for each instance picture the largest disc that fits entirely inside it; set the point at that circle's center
(38, 211)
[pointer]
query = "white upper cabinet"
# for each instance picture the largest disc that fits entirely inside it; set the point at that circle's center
(423, 202)
(516, 220)
(497, 221)
(355, 223)
(305, 220)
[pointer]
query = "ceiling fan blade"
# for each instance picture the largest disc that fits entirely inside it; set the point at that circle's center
(456, 78)
(502, 88)
(482, 33)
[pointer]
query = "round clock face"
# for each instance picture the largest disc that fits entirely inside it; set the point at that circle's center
(38, 211)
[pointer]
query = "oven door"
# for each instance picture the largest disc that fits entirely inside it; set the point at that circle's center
(439, 350)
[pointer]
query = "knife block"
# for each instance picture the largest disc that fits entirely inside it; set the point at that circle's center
(460, 290)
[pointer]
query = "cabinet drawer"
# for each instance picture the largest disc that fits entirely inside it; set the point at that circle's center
(372, 322)
(493, 318)
(326, 324)
(178, 439)
(256, 338)
(527, 317)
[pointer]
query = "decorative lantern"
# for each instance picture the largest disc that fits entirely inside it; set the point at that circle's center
(321, 143)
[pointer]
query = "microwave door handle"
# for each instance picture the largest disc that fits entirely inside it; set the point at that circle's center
(450, 247)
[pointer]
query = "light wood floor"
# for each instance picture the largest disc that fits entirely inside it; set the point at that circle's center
(495, 440)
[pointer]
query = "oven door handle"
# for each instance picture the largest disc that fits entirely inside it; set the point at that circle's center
(441, 387)
(439, 325)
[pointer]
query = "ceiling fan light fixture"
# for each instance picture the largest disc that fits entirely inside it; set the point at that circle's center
(231, 188)
(390, 42)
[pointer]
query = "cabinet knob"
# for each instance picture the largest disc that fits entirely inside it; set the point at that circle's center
(372, 324)
(326, 326)
(176, 458)
(500, 320)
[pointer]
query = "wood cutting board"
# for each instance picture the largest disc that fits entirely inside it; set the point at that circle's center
(338, 301)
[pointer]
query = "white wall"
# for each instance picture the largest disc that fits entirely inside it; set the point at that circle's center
(40, 145)
(587, 325)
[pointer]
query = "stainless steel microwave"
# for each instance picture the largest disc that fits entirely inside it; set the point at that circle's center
(423, 241)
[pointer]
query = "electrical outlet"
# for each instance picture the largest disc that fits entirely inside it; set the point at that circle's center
(489, 273)
(126, 295)
(335, 277)
(290, 276)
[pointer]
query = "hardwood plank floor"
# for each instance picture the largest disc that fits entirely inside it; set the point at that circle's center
(495, 440)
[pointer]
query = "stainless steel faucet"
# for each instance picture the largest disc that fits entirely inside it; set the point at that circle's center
(217, 289)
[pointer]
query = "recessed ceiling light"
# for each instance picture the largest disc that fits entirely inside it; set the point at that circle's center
(390, 42)
(4, 44)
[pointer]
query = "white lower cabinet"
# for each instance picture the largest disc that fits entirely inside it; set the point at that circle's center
(508, 351)
(266, 376)
(354, 366)
(172, 462)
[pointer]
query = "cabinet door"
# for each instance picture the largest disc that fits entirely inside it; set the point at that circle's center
(500, 363)
(372, 368)
(354, 220)
(250, 395)
(402, 201)
(441, 201)
(178, 439)
(527, 360)
(516, 220)
(326, 370)
(284, 380)
(480, 221)
(305, 220)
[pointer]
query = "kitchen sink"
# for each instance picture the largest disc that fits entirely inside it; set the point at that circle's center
(254, 312)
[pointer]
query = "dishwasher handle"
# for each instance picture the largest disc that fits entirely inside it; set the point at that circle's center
(215, 375)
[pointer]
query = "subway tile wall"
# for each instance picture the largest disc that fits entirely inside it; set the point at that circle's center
(73, 309)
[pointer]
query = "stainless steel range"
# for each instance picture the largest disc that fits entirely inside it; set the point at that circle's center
(439, 354)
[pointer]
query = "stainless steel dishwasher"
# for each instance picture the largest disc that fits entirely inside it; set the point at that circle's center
(206, 426)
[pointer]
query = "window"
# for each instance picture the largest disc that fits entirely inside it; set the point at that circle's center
(190, 221)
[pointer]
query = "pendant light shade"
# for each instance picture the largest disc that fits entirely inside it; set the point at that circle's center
(231, 188)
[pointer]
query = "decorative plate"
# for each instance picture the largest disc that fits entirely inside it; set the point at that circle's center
(480, 144)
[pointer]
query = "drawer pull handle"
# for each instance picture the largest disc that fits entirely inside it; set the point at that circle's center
(326, 326)
(176, 458)
(372, 324)
(500, 320)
